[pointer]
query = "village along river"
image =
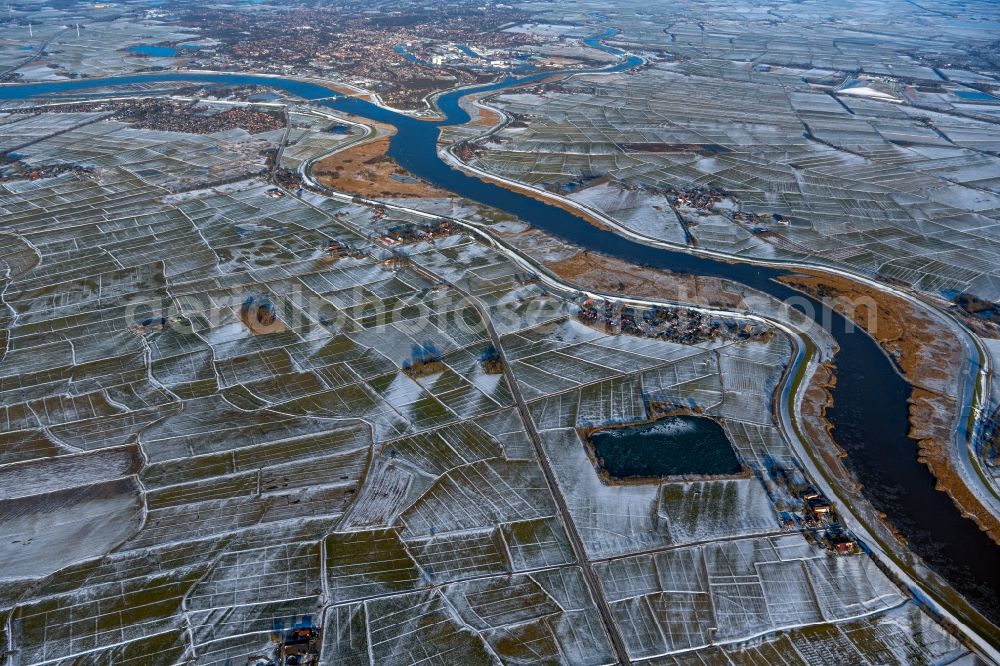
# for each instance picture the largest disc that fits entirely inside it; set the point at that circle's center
(870, 412)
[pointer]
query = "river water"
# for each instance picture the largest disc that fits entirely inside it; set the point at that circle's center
(870, 416)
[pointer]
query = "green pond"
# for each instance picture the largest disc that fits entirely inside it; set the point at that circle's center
(672, 446)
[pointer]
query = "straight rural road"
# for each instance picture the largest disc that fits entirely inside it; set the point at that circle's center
(590, 577)
(596, 591)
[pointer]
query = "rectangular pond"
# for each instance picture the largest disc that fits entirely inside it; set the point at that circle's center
(672, 446)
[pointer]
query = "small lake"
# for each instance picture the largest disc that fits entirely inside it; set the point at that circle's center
(153, 51)
(974, 95)
(674, 446)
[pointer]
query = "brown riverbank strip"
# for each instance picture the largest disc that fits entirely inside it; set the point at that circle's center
(367, 170)
(924, 351)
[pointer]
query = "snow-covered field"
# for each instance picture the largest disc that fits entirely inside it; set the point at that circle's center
(180, 479)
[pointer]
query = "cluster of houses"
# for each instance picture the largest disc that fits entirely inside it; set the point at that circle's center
(335, 248)
(288, 179)
(699, 198)
(818, 519)
(406, 233)
(687, 326)
(760, 221)
(296, 646)
(18, 170)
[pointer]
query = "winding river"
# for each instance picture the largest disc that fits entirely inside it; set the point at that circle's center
(870, 416)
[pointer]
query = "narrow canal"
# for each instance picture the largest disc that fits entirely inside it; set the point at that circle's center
(870, 413)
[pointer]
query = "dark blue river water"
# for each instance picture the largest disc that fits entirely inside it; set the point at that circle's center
(870, 416)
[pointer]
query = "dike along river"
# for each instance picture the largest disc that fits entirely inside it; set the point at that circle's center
(870, 413)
